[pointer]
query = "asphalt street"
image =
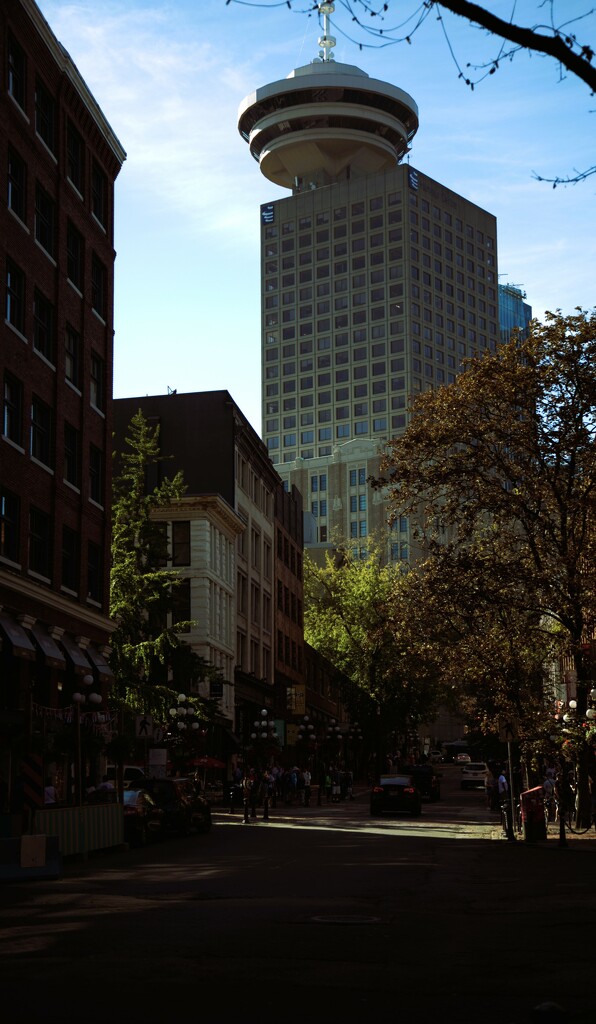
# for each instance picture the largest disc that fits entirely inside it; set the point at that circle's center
(317, 914)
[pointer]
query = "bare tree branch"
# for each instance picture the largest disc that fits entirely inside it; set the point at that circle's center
(563, 47)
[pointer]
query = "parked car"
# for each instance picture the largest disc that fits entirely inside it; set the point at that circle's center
(396, 794)
(474, 775)
(435, 757)
(143, 819)
(426, 779)
(183, 806)
(130, 773)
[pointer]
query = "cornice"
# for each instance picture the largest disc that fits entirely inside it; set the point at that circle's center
(69, 68)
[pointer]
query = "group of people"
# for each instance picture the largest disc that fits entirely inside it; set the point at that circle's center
(291, 786)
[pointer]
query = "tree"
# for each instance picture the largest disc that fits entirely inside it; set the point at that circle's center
(490, 650)
(557, 38)
(348, 618)
(498, 472)
(151, 663)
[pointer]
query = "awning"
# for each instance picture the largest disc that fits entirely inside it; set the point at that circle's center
(16, 635)
(75, 655)
(48, 647)
(100, 662)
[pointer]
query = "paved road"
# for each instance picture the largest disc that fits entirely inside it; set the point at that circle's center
(319, 915)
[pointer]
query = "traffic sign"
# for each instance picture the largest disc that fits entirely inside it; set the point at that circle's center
(508, 730)
(143, 726)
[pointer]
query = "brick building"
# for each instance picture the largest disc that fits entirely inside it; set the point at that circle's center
(59, 159)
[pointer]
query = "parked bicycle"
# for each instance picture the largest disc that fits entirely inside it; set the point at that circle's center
(566, 806)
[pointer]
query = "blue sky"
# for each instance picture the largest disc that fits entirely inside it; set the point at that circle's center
(169, 76)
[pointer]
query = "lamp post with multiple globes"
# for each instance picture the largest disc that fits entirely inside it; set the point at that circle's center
(80, 699)
(182, 719)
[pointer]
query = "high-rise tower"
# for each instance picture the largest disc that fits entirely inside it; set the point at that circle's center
(375, 282)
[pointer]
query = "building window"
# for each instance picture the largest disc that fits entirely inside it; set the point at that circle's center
(99, 191)
(44, 326)
(95, 572)
(40, 542)
(97, 385)
(15, 296)
(98, 286)
(181, 606)
(74, 256)
(181, 543)
(75, 157)
(12, 424)
(73, 356)
(10, 509)
(72, 455)
(45, 220)
(45, 115)
(70, 559)
(17, 69)
(96, 474)
(17, 178)
(41, 431)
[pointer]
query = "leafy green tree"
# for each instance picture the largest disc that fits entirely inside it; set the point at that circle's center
(151, 663)
(348, 618)
(498, 470)
(490, 651)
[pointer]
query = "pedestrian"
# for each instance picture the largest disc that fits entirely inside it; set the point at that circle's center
(50, 794)
(503, 787)
(307, 784)
(548, 787)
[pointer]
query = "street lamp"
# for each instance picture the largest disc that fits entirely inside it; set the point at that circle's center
(355, 738)
(183, 714)
(264, 728)
(264, 734)
(306, 733)
(79, 699)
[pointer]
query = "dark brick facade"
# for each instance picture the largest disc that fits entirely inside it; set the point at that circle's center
(59, 159)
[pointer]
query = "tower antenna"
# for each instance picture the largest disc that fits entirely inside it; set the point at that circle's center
(326, 41)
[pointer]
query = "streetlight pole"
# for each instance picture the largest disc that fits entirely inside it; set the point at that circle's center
(79, 699)
(264, 734)
(183, 716)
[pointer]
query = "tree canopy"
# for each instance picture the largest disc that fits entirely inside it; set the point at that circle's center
(498, 473)
(350, 618)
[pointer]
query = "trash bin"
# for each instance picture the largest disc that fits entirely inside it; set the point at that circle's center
(533, 815)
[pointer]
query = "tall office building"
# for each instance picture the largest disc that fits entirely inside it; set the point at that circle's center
(376, 281)
(514, 311)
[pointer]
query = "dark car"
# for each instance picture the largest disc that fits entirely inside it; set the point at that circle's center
(183, 806)
(143, 819)
(396, 794)
(427, 780)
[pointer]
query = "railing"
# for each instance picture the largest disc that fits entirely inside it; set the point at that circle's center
(81, 830)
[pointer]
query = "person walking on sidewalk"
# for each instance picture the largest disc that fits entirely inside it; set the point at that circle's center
(307, 784)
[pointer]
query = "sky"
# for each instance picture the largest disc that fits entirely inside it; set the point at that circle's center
(169, 76)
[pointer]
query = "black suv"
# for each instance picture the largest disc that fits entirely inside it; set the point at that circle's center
(184, 808)
(426, 779)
